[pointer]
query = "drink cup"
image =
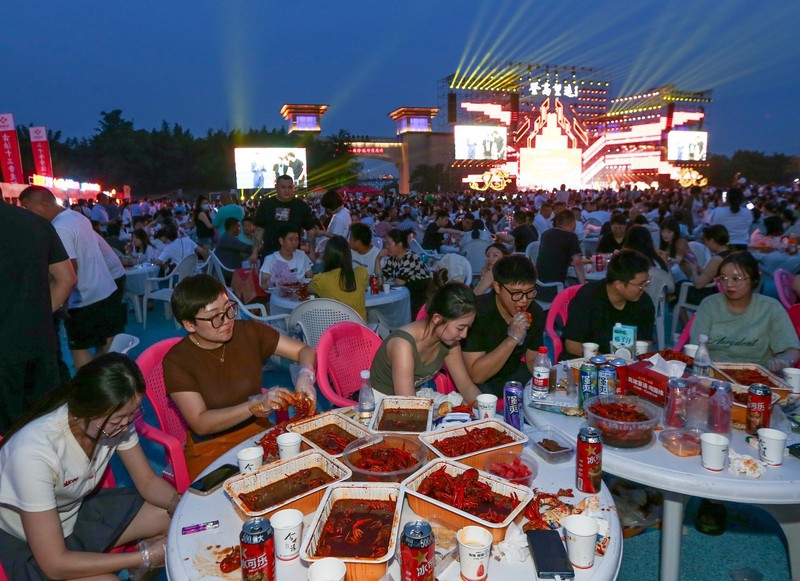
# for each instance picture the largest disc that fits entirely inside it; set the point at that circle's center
(387, 287)
(288, 445)
(642, 347)
(327, 569)
(590, 350)
(771, 444)
(689, 350)
(474, 550)
(581, 534)
(487, 405)
(713, 451)
(249, 459)
(792, 377)
(288, 527)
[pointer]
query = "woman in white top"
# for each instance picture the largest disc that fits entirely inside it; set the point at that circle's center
(736, 219)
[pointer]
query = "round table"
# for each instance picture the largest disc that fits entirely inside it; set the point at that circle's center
(135, 284)
(388, 310)
(192, 557)
(769, 262)
(778, 491)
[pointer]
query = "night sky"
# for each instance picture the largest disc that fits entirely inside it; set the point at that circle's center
(214, 64)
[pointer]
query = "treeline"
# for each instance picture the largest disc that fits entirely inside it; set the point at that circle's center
(756, 166)
(164, 160)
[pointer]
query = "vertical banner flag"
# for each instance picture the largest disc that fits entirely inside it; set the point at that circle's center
(41, 152)
(10, 157)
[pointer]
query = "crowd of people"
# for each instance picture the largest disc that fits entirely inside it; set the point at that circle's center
(60, 431)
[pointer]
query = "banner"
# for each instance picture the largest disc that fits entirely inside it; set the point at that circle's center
(41, 151)
(10, 157)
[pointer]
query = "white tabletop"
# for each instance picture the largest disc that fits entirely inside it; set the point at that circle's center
(136, 277)
(193, 557)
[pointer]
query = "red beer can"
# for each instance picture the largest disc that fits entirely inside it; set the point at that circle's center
(622, 375)
(258, 550)
(759, 407)
(589, 460)
(599, 263)
(417, 551)
(374, 284)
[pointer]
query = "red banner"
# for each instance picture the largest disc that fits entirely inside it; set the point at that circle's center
(10, 158)
(41, 151)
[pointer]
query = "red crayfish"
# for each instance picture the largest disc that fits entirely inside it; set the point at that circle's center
(357, 528)
(466, 492)
(473, 440)
(383, 459)
(269, 441)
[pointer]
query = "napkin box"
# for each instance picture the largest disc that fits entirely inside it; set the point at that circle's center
(649, 384)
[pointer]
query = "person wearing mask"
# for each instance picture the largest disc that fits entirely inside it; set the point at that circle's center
(204, 230)
(339, 280)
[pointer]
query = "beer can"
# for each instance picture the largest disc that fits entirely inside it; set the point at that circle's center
(622, 375)
(589, 460)
(587, 383)
(759, 407)
(512, 398)
(598, 360)
(599, 262)
(607, 380)
(417, 551)
(374, 284)
(258, 550)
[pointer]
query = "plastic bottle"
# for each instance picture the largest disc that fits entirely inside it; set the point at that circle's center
(541, 375)
(366, 399)
(702, 360)
(721, 402)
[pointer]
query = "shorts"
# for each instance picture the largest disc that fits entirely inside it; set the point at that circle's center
(92, 325)
(102, 518)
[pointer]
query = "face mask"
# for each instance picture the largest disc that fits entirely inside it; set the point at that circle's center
(205, 206)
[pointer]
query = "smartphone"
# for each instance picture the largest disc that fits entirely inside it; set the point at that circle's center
(549, 555)
(213, 480)
(749, 205)
(794, 450)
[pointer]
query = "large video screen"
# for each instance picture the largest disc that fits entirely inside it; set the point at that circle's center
(480, 141)
(259, 167)
(687, 145)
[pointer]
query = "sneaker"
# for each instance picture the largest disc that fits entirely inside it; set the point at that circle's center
(711, 517)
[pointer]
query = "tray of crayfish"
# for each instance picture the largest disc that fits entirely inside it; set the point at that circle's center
(357, 523)
(330, 431)
(403, 415)
(460, 495)
(384, 457)
(472, 443)
(296, 483)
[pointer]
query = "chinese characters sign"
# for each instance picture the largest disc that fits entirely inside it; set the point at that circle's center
(10, 157)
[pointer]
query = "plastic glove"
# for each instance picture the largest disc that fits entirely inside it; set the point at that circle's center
(518, 328)
(304, 385)
(275, 398)
(777, 364)
(153, 552)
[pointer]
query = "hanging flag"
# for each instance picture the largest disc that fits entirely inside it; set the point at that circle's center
(42, 162)
(10, 158)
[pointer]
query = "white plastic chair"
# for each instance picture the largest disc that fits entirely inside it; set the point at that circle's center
(458, 268)
(475, 253)
(153, 293)
(215, 268)
(559, 286)
(532, 251)
(258, 312)
(658, 292)
(310, 319)
(122, 343)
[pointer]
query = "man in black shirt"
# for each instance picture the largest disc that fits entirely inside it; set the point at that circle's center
(434, 233)
(522, 232)
(620, 298)
(276, 211)
(612, 241)
(503, 333)
(558, 250)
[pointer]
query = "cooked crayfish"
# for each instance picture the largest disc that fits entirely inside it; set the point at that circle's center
(473, 440)
(546, 510)
(357, 528)
(269, 441)
(466, 492)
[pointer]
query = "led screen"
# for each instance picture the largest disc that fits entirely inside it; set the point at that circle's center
(687, 145)
(258, 167)
(480, 141)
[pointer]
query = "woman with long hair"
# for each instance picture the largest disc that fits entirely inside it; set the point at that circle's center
(143, 247)
(338, 279)
(411, 355)
(204, 230)
(54, 524)
(403, 267)
(672, 247)
(494, 252)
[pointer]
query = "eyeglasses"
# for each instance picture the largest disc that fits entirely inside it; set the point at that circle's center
(642, 286)
(132, 419)
(517, 295)
(736, 279)
(218, 320)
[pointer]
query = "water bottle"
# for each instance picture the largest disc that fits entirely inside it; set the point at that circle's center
(721, 403)
(541, 375)
(702, 360)
(366, 399)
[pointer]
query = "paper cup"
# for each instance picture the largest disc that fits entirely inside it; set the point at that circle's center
(487, 405)
(590, 350)
(689, 350)
(581, 534)
(642, 347)
(288, 527)
(327, 569)
(250, 459)
(474, 550)
(792, 377)
(771, 444)
(713, 451)
(288, 445)
(387, 287)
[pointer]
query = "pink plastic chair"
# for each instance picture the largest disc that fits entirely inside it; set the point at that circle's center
(559, 308)
(684, 337)
(171, 433)
(783, 282)
(444, 383)
(344, 350)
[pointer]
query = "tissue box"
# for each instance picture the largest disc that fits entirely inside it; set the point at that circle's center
(647, 383)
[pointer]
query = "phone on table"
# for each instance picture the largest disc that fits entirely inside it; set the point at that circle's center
(794, 450)
(213, 480)
(549, 555)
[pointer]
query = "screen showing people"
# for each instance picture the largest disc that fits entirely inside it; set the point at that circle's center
(259, 167)
(480, 141)
(687, 145)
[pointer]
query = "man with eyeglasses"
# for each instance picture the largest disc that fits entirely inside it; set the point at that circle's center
(620, 298)
(508, 326)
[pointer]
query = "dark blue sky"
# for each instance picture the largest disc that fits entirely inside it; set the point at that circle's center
(224, 64)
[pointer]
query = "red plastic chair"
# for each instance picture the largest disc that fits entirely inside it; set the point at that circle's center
(794, 316)
(684, 337)
(171, 433)
(783, 282)
(444, 383)
(559, 308)
(344, 350)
